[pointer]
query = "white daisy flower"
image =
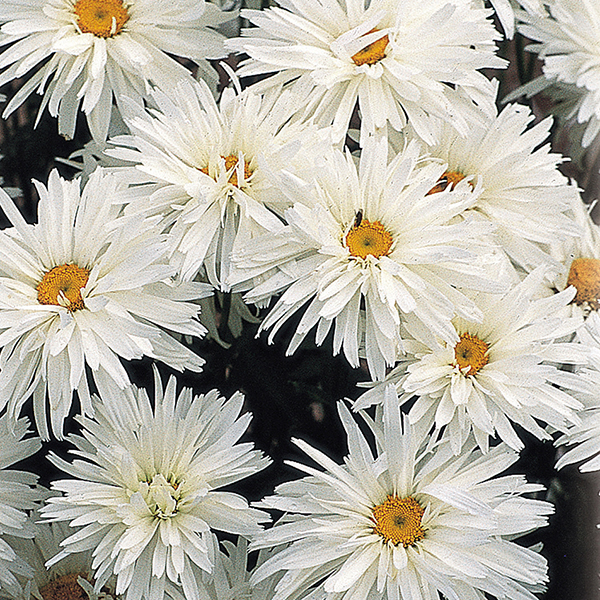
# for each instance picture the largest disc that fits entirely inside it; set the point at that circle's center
(94, 51)
(19, 494)
(147, 490)
(579, 266)
(584, 438)
(568, 43)
(209, 170)
(374, 237)
(84, 288)
(400, 60)
(522, 191)
(70, 578)
(500, 372)
(406, 522)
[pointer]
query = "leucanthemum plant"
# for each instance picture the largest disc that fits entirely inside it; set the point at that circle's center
(399, 60)
(367, 246)
(146, 491)
(91, 52)
(81, 289)
(209, 171)
(502, 371)
(406, 521)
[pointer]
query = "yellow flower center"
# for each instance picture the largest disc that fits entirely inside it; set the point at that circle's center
(64, 588)
(448, 179)
(372, 53)
(584, 275)
(471, 352)
(368, 238)
(103, 18)
(230, 163)
(398, 520)
(62, 285)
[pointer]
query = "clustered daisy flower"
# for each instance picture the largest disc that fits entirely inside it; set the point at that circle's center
(400, 60)
(96, 51)
(405, 521)
(369, 246)
(82, 289)
(146, 491)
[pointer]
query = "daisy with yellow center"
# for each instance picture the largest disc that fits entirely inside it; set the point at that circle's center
(364, 249)
(497, 373)
(397, 520)
(88, 295)
(92, 54)
(584, 276)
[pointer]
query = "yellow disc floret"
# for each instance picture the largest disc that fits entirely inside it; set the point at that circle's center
(398, 520)
(369, 239)
(471, 352)
(230, 163)
(62, 285)
(372, 53)
(448, 179)
(64, 587)
(584, 275)
(103, 18)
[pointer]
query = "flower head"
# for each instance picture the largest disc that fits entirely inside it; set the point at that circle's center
(209, 171)
(146, 493)
(100, 50)
(408, 521)
(501, 371)
(85, 288)
(400, 60)
(364, 248)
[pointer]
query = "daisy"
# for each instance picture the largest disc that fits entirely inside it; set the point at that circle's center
(84, 288)
(578, 261)
(506, 14)
(19, 494)
(371, 237)
(209, 170)
(146, 492)
(94, 51)
(400, 60)
(583, 439)
(568, 43)
(501, 371)
(70, 578)
(405, 522)
(522, 191)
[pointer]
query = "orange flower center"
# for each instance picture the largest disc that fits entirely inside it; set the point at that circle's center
(372, 53)
(448, 179)
(398, 520)
(368, 238)
(230, 163)
(64, 588)
(584, 275)
(103, 18)
(471, 352)
(62, 285)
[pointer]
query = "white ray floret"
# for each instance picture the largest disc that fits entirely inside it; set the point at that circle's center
(364, 247)
(84, 289)
(399, 60)
(404, 522)
(146, 492)
(88, 53)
